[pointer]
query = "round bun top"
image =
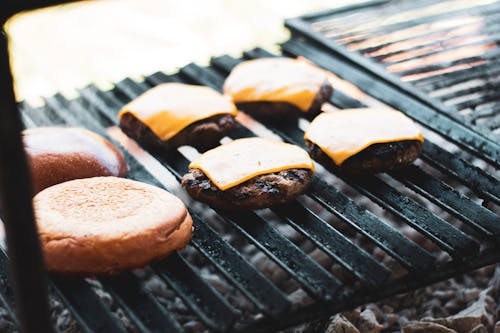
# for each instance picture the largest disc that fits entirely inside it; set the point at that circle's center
(59, 154)
(106, 208)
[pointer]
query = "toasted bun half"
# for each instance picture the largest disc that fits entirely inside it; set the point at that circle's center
(105, 225)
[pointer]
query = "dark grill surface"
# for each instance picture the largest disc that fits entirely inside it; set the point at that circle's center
(462, 225)
(443, 53)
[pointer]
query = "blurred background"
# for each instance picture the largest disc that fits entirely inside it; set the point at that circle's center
(66, 47)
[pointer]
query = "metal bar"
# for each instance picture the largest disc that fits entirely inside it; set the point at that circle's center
(265, 295)
(147, 314)
(198, 295)
(335, 244)
(443, 195)
(409, 283)
(29, 278)
(382, 29)
(478, 180)
(85, 305)
(6, 292)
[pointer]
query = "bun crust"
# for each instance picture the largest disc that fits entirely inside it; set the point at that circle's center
(105, 225)
(59, 154)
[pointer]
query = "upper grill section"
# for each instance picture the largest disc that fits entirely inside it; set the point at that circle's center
(444, 53)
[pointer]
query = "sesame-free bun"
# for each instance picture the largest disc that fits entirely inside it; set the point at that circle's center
(104, 225)
(59, 154)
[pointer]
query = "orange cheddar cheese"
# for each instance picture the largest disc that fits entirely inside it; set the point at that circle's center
(240, 160)
(345, 133)
(170, 107)
(275, 80)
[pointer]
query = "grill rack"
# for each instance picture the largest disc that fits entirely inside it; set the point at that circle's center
(97, 109)
(422, 25)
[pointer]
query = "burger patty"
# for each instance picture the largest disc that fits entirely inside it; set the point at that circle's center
(203, 134)
(259, 192)
(279, 111)
(379, 157)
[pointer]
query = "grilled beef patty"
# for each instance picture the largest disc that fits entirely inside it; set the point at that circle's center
(279, 111)
(259, 192)
(379, 157)
(203, 134)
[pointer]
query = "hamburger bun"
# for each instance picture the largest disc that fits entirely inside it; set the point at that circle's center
(59, 154)
(105, 225)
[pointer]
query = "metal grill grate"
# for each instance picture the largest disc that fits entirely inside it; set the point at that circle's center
(442, 53)
(470, 235)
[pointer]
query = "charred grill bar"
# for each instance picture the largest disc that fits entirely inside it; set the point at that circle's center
(473, 245)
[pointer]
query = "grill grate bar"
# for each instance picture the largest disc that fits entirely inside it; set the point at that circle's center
(140, 305)
(422, 25)
(85, 305)
(199, 296)
(6, 292)
(485, 110)
(478, 180)
(312, 277)
(487, 56)
(492, 95)
(435, 39)
(481, 72)
(484, 85)
(428, 117)
(445, 235)
(443, 195)
(266, 296)
(385, 236)
(334, 243)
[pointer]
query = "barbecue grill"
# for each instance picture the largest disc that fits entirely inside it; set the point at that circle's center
(448, 198)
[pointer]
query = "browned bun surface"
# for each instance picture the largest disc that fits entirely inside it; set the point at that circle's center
(203, 134)
(282, 111)
(259, 192)
(378, 157)
(59, 154)
(105, 225)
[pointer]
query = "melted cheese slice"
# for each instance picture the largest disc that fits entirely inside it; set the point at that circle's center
(275, 80)
(240, 160)
(345, 133)
(170, 107)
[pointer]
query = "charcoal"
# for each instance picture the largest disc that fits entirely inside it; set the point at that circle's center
(479, 312)
(340, 324)
(368, 322)
(479, 329)
(426, 327)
